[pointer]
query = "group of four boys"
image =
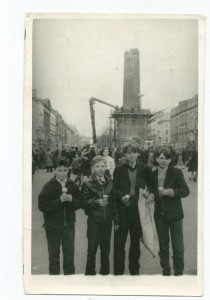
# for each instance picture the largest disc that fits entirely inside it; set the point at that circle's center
(105, 200)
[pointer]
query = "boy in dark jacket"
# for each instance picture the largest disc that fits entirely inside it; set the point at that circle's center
(97, 203)
(128, 179)
(58, 200)
(169, 188)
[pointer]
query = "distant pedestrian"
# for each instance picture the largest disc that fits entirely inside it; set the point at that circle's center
(174, 156)
(114, 152)
(49, 161)
(98, 205)
(86, 164)
(184, 156)
(42, 159)
(118, 155)
(34, 166)
(36, 158)
(76, 168)
(169, 187)
(92, 153)
(180, 161)
(150, 160)
(55, 156)
(110, 164)
(58, 200)
(145, 155)
(123, 160)
(193, 164)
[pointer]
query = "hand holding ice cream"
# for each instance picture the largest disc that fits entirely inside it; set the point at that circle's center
(65, 197)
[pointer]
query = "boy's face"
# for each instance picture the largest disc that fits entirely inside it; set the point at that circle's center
(61, 172)
(105, 152)
(99, 168)
(162, 161)
(132, 157)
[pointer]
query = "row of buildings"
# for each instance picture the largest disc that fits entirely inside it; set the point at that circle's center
(49, 130)
(178, 126)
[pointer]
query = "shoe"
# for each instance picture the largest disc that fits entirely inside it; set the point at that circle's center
(104, 273)
(178, 274)
(166, 274)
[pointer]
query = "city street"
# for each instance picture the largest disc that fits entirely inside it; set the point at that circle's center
(149, 265)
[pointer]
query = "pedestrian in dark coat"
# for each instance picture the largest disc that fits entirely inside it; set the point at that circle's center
(86, 164)
(97, 202)
(169, 187)
(174, 156)
(183, 156)
(128, 179)
(76, 168)
(145, 155)
(92, 153)
(193, 164)
(49, 161)
(58, 200)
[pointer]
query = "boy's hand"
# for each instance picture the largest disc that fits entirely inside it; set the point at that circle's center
(149, 199)
(116, 227)
(65, 197)
(69, 198)
(103, 202)
(145, 194)
(166, 192)
(161, 191)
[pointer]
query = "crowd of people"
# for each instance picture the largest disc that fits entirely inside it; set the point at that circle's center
(105, 183)
(79, 160)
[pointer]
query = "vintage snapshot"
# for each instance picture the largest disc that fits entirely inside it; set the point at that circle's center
(113, 154)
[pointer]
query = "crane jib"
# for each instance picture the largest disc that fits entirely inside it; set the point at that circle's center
(92, 101)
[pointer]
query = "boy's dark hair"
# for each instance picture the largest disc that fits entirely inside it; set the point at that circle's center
(61, 162)
(166, 152)
(131, 147)
(96, 159)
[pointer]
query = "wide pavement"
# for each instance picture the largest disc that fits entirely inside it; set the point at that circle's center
(149, 265)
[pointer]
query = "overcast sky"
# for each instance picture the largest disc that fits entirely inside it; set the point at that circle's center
(76, 59)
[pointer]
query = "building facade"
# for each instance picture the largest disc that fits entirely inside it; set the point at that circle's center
(53, 129)
(159, 128)
(184, 123)
(38, 132)
(47, 113)
(70, 136)
(49, 130)
(59, 131)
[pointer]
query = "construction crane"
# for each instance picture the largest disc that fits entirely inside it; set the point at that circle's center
(92, 101)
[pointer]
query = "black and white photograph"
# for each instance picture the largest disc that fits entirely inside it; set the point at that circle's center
(113, 121)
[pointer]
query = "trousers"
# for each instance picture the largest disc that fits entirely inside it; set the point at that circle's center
(61, 237)
(98, 234)
(165, 230)
(131, 225)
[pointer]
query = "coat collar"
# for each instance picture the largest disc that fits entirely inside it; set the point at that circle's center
(55, 180)
(93, 178)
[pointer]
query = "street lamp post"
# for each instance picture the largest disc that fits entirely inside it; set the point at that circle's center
(110, 132)
(158, 138)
